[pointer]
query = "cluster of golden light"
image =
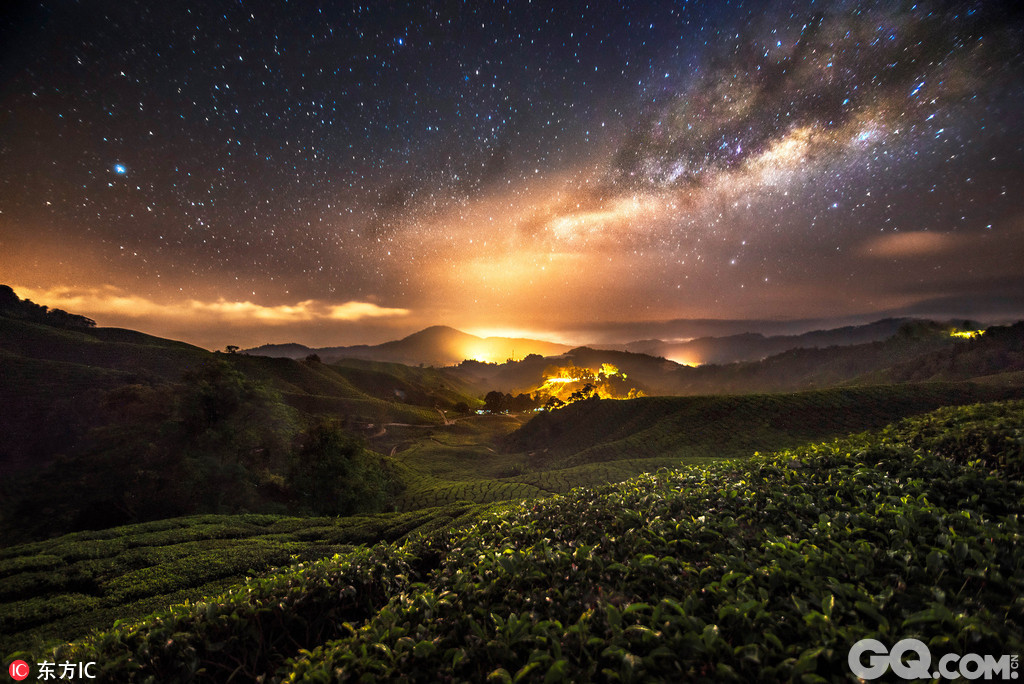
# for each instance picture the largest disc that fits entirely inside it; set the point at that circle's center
(966, 334)
(482, 354)
(608, 370)
(555, 376)
(569, 383)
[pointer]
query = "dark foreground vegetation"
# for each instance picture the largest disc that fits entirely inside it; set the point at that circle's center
(103, 427)
(215, 442)
(765, 568)
(61, 588)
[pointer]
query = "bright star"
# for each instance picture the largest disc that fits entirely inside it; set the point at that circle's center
(120, 169)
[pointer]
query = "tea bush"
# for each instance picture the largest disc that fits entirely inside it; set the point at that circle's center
(66, 586)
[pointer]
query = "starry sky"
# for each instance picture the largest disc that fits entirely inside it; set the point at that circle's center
(335, 173)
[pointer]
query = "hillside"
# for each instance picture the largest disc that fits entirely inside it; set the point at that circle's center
(763, 569)
(905, 356)
(421, 386)
(105, 426)
(492, 458)
(999, 351)
(800, 369)
(728, 426)
(153, 359)
(65, 585)
(57, 381)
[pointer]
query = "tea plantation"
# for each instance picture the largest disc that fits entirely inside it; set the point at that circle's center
(61, 588)
(768, 568)
(494, 458)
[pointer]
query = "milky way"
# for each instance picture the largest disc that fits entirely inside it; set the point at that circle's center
(241, 173)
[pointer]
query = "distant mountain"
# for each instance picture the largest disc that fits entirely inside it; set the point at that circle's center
(814, 368)
(755, 346)
(438, 345)
(443, 346)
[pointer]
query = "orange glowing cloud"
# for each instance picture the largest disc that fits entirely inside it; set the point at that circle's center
(113, 302)
(912, 244)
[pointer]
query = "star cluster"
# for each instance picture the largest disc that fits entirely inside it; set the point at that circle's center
(207, 170)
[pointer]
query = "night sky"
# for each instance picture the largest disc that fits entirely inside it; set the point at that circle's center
(250, 172)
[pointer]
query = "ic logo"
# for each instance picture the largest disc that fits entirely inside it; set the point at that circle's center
(19, 670)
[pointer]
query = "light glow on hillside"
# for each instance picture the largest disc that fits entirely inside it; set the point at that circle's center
(574, 383)
(685, 360)
(966, 334)
(481, 353)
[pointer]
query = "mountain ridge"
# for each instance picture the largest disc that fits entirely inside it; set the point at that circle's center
(436, 345)
(442, 345)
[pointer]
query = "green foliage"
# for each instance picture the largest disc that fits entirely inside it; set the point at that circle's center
(61, 588)
(726, 426)
(498, 402)
(105, 426)
(598, 442)
(208, 444)
(769, 568)
(333, 474)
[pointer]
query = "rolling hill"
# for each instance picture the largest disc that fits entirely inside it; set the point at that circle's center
(55, 380)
